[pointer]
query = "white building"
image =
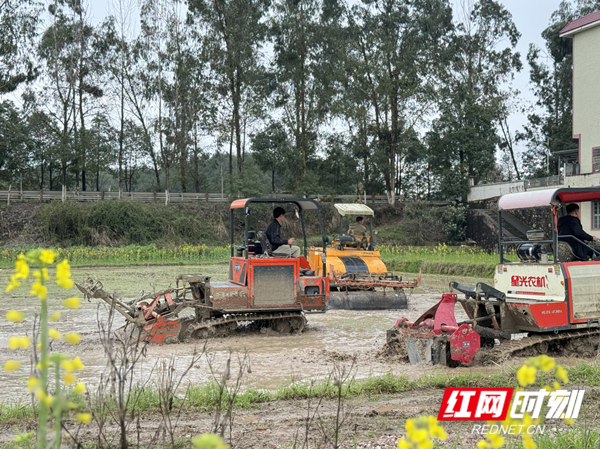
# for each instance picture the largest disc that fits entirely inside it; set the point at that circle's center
(581, 167)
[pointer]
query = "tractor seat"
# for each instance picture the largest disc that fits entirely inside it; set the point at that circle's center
(265, 244)
(565, 253)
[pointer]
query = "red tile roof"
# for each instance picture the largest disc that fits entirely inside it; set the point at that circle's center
(581, 22)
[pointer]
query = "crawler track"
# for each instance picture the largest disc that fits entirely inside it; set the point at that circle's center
(284, 322)
(539, 343)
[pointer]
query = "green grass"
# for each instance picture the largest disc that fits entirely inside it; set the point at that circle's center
(129, 255)
(441, 259)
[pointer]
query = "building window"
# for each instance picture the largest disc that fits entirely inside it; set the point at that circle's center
(596, 159)
(596, 214)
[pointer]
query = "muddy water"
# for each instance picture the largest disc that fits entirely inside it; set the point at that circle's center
(330, 338)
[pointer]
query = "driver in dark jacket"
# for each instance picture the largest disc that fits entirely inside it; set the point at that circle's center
(281, 247)
(570, 224)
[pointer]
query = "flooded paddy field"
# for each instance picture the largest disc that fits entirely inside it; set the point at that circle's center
(275, 359)
(335, 337)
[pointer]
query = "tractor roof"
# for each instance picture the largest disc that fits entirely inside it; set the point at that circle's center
(547, 197)
(302, 203)
(354, 209)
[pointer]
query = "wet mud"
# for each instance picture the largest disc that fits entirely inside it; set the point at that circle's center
(332, 337)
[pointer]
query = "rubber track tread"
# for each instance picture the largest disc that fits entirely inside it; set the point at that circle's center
(207, 324)
(510, 347)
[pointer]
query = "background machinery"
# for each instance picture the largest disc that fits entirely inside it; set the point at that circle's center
(262, 290)
(358, 277)
(546, 301)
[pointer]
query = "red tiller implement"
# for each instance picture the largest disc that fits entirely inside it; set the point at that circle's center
(427, 339)
(546, 299)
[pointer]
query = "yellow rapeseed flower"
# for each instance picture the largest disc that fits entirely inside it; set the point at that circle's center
(54, 334)
(496, 440)
(403, 444)
(22, 269)
(43, 397)
(418, 435)
(68, 365)
(63, 274)
(47, 256)
(77, 363)
(79, 388)
(69, 378)
(12, 365)
(32, 384)
(43, 274)
(72, 303)
(40, 290)
(562, 375)
(19, 342)
(72, 337)
(546, 363)
(14, 283)
(528, 443)
(483, 444)
(84, 418)
(526, 375)
(54, 317)
(16, 316)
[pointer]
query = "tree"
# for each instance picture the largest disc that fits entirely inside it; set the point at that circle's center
(236, 30)
(272, 152)
(481, 58)
(550, 123)
(395, 48)
(14, 143)
(18, 21)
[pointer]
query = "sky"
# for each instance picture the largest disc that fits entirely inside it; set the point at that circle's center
(530, 16)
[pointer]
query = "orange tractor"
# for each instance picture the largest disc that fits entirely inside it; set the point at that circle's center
(267, 291)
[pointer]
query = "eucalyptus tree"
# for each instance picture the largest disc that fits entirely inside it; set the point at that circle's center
(234, 33)
(18, 25)
(304, 68)
(481, 60)
(396, 47)
(68, 52)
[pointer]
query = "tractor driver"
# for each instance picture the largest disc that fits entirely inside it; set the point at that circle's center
(280, 247)
(570, 224)
(359, 229)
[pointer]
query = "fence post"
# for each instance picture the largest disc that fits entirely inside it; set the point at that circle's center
(154, 196)
(166, 197)
(120, 192)
(102, 195)
(63, 193)
(8, 197)
(41, 196)
(206, 196)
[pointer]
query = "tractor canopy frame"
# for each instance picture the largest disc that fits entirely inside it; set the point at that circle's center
(357, 210)
(553, 198)
(301, 203)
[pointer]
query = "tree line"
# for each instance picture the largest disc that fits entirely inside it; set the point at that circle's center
(397, 97)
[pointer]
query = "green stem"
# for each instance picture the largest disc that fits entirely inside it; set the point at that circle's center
(43, 417)
(57, 409)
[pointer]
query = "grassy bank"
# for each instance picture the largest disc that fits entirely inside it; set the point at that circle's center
(441, 259)
(206, 398)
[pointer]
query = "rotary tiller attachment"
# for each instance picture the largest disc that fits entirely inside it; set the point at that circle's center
(435, 334)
